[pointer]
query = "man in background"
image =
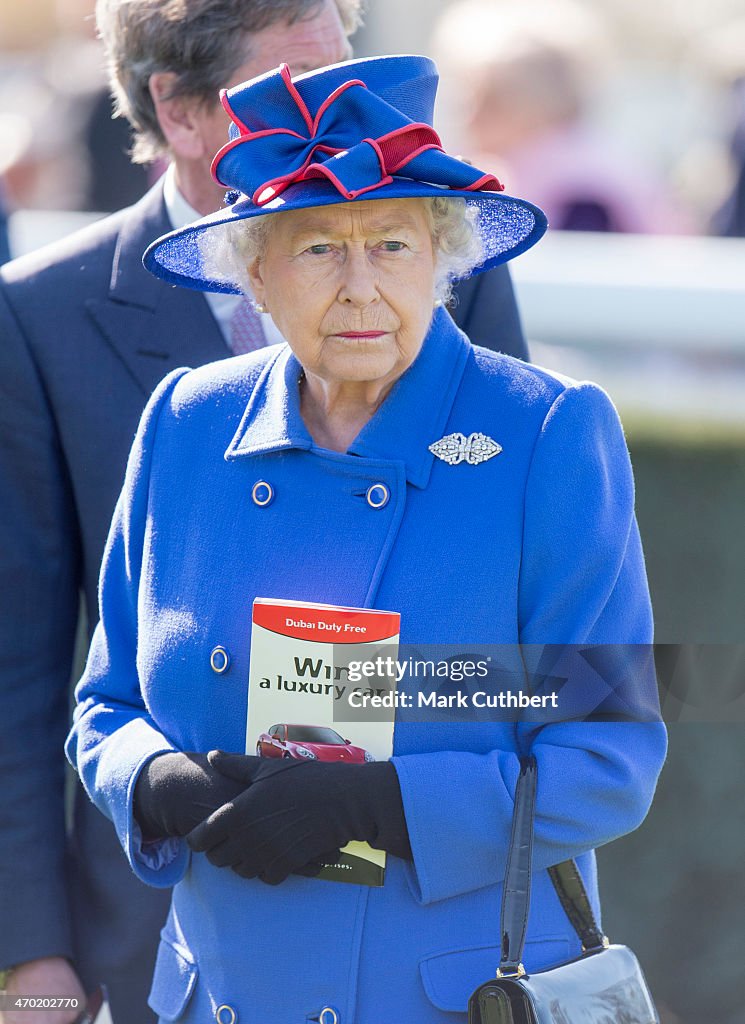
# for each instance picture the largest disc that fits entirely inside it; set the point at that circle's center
(85, 336)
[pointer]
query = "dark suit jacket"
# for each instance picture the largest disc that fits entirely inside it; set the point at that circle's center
(85, 335)
(4, 241)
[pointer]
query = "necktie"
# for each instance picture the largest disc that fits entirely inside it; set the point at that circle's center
(246, 332)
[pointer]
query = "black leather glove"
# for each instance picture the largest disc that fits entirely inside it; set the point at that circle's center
(287, 820)
(174, 792)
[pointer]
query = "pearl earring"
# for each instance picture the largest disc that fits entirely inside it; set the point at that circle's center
(259, 307)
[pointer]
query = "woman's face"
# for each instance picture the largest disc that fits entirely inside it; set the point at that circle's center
(350, 286)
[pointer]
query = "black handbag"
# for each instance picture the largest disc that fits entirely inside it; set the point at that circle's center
(604, 985)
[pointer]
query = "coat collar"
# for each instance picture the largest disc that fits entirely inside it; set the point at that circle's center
(411, 418)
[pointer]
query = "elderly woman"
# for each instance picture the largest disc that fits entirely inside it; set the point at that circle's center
(376, 460)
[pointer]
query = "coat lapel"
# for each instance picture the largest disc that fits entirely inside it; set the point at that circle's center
(153, 326)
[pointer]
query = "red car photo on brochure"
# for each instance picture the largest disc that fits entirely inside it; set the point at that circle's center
(311, 743)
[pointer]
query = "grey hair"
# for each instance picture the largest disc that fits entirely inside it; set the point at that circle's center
(201, 42)
(457, 240)
(228, 251)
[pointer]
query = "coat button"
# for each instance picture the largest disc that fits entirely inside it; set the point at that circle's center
(225, 1014)
(262, 493)
(378, 496)
(220, 660)
(329, 1015)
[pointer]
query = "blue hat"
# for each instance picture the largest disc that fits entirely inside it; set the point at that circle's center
(353, 131)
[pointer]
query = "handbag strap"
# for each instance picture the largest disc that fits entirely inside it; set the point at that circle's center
(517, 883)
(573, 896)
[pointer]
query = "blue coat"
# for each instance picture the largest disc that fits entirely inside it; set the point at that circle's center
(86, 334)
(537, 545)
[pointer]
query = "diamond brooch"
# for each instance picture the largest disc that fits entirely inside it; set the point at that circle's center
(455, 448)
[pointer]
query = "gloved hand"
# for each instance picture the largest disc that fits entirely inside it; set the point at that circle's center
(174, 792)
(287, 820)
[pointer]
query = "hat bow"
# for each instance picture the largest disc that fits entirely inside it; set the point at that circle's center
(326, 144)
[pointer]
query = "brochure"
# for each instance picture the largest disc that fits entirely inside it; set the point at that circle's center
(297, 678)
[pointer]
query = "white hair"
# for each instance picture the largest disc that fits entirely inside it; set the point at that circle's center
(228, 251)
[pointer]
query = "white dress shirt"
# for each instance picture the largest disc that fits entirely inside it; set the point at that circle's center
(180, 213)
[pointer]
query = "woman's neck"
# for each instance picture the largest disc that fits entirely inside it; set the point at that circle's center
(335, 413)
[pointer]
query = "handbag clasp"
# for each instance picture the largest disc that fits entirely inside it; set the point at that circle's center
(519, 972)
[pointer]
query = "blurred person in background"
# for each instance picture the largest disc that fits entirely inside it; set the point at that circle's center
(526, 74)
(4, 241)
(46, 170)
(724, 52)
(730, 220)
(109, 179)
(75, 156)
(86, 334)
(8, 153)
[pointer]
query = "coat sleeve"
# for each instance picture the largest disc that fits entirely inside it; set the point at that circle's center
(39, 599)
(113, 736)
(582, 582)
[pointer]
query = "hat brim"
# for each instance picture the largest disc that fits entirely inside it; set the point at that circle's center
(508, 226)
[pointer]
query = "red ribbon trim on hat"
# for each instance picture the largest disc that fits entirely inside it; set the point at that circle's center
(394, 150)
(417, 137)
